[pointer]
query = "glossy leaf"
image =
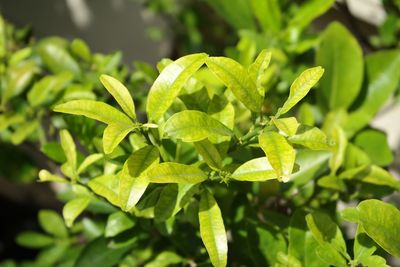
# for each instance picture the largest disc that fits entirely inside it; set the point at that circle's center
(257, 70)
(132, 185)
(88, 161)
(300, 88)
(74, 208)
(288, 126)
(106, 186)
(236, 78)
(280, 154)
(212, 230)
(52, 223)
(120, 93)
(255, 170)
(117, 223)
(95, 110)
(341, 56)
(171, 172)
(209, 153)
(168, 85)
(114, 134)
(313, 138)
(193, 126)
(380, 222)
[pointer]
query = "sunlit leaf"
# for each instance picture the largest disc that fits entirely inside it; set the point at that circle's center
(171, 172)
(255, 170)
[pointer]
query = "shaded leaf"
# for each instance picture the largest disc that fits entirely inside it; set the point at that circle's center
(52, 223)
(209, 153)
(117, 223)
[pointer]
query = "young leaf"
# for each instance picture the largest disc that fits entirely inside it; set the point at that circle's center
(380, 222)
(74, 208)
(170, 172)
(94, 110)
(114, 134)
(209, 153)
(313, 138)
(255, 170)
(120, 93)
(223, 111)
(89, 160)
(341, 56)
(258, 68)
(107, 187)
(117, 223)
(193, 126)
(46, 176)
(168, 85)
(132, 185)
(340, 139)
(52, 223)
(212, 230)
(236, 78)
(280, 153)
(300, 88)
(286, 125)
(69, 148)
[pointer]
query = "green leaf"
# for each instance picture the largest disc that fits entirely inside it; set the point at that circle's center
(312, 138)
(48, 87)
(106, 186)
(375, 144)
(223, 111)
(117, 223)
(120, 93)
(172, 199)
(81, 49)
(237, 79)
(88, 161)
(300, 88)
(297, 235)
(255, 170)
(24, 131)
(132, 185)
(171, 172)
(380, 222)
(52, 223)
(382, 74)
(257, 70)
(212, 230)
(328, 235)
(288, 126)
(56, 58)
(95, 110)
(74, 208)
(165, 259)
(364, 246)
(193, 126)
(271, 22)
(341, 56)
(46, 176)
(280, 154)
(309, 11)
(68, 145)
(32, 239)
(209, 153)
(100, 254)
(114, 134)
(168, 85)
(332, 182)
(339, 150)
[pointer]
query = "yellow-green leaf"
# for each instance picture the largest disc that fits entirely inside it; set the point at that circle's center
(212, 230)
(300, 88)
(209, 153)
(193, 126)
(106, 186)
(68, 145)
(237, 79)
(280, 154)
(120, 93)
(312, 138)
(46, 176)
(171, 172)
(74, 208)
(94, 110)
(114, 134)
(255, 170)
(288, 126)
(89, 160)
(258, 68)
(168, 85)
